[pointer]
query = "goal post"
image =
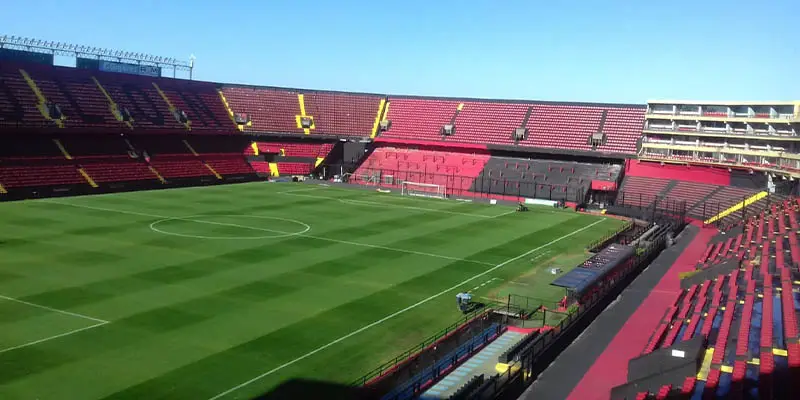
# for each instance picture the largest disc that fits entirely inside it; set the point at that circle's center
(423, 190)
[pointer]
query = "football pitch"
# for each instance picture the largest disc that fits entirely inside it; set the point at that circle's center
(223, 292)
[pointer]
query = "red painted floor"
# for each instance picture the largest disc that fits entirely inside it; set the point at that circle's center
(611, 368)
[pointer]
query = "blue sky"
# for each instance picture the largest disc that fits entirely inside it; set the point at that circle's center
(612, 51)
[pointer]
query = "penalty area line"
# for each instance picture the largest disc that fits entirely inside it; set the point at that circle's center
(72, 332)
(396, 313)
(99, 322)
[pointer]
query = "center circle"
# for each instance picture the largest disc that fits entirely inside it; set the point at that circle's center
(208, 219)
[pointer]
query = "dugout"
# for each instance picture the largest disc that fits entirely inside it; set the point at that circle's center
(599, 271)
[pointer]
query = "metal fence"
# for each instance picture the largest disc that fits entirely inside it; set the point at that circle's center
(390, 365)
(702, 211)
(470, 186)
(534, 358)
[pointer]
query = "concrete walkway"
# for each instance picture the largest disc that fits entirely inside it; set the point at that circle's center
(484, 362)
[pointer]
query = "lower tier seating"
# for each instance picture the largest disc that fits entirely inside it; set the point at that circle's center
(554, 180)
(747, 316)
(294, 168)
(118, 169)
(12, 176)
(456, 171)
(703, 200)
(226, 164)
(179, 166)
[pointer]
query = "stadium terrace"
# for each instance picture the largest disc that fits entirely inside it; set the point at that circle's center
(311, 242)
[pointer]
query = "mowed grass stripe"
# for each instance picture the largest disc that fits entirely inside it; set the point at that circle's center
(307, 289)
(261, 354)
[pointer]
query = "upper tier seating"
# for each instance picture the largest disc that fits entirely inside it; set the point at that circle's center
(77, 96)
(489, 122)
(456, 171)
(277, 110)
(270, 110)
(201, 103)
(85, 106)
(419, 119)
(17, 100)
(342, 113)
(562, 126)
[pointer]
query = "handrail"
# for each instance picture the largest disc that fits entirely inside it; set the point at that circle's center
(389, 365)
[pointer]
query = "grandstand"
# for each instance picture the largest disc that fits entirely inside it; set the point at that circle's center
(626, 186)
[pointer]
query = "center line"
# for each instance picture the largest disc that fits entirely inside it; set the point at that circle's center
(372, 246)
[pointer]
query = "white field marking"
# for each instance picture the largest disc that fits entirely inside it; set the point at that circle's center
(303, 190)
(488, 282)
(380, 204)
(505, 213)
(396, 313)
(520, 283)
(99, 321)
(102, 321)
(53, 337)
(373, 246)
(277, 233)
(538, 256)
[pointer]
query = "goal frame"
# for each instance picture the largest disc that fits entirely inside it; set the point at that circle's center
(431, 190)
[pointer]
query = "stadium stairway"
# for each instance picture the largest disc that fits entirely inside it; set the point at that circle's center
(113, 107)
(269, 110)
(62, 149)
(171, 107)
(42, 104)
(301, 100)
(482, 363)
(157, 174)
(383, 106)
(88, 178)
(749, 201)
(704, 201)
(230, 112)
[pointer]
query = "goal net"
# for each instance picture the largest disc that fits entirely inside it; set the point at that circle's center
(423, 190)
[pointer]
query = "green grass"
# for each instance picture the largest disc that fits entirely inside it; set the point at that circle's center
(190, 318)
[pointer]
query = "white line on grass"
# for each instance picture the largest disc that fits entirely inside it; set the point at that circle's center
(53, 337)
(380, 204)
(372, 246)
(396, 313)
(102, 321)
(505, 213)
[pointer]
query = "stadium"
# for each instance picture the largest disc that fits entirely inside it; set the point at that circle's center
(164, 237)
